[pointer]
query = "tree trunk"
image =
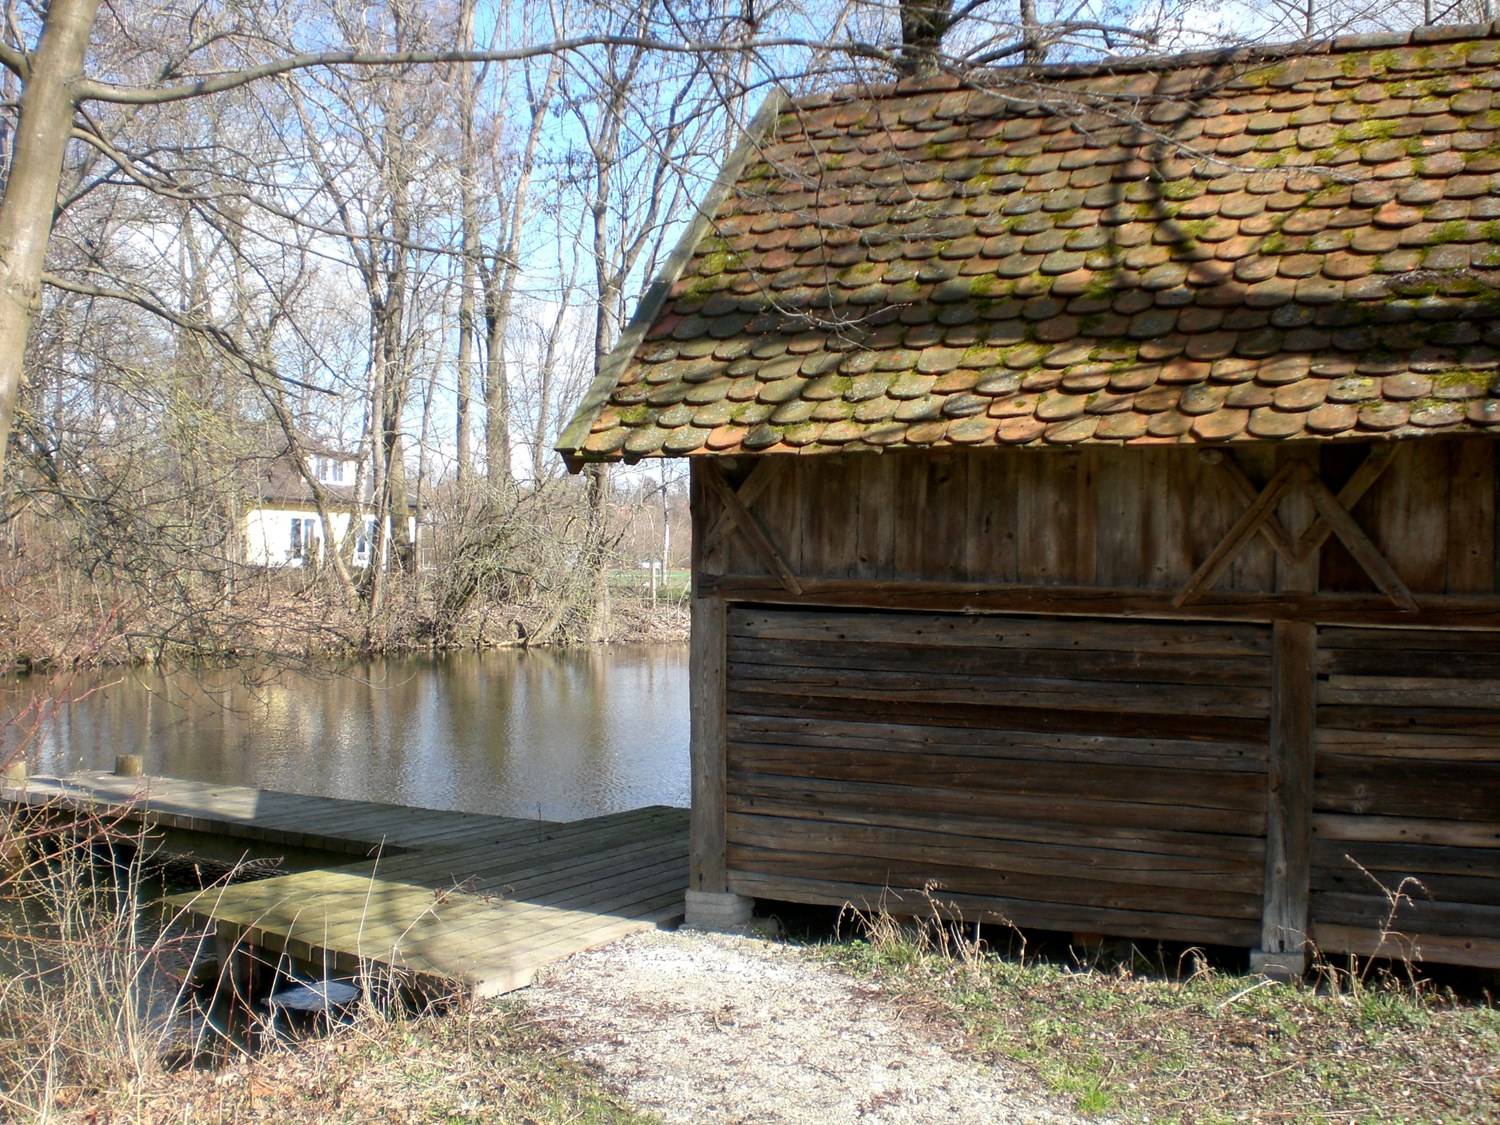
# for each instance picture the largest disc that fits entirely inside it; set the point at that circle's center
(30, 199)
(470, 248)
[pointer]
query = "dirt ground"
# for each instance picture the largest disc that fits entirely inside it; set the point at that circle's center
(721, 1030)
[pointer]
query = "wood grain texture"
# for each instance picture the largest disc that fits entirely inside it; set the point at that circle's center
(707, 738)
(1289, 783)
(1101, 766)
(1471, 518)
(1407, 791)
(461, 898)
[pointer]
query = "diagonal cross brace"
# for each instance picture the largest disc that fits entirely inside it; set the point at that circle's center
(1333, 518)
(751, 490)
(750, 527)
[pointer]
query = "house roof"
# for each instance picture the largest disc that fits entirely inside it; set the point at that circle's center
(1292, 243)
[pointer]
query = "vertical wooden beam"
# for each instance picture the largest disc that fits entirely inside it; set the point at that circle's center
(709, 903)
(706, 669)
(1289, 782)
(1289, 769)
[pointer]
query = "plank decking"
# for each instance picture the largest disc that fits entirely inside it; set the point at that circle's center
(483, 901)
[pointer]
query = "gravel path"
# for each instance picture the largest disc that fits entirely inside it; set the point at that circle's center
(717, 1030)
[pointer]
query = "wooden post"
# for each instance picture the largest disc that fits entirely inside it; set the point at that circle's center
(1289, 769)
(710, 905)
(129, 765)
(1284, 922)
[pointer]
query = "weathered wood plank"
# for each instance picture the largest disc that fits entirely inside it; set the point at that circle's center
(1118, 492)
(1238, 484)
(711, 535)
(1412, 719)
(991, 547)
(1238, 537)
(1408, 518)
(1395, 641)
(1254, 568)
(1415, 830)
(1289, 781)
(1471, 518)
(830, 542)
(1437, 610)
(1161, 753)
(1046, 500)
(1377, 459)
(1407, 744)
(1417, 946)
(1425, 858)
(988, 715)
(707, 674)
(1409, 691)
(1166, 535)
(1063, 779)
(1390, 787)
(875, 516)
(1358, 544)
(932, 517)
(1421, 886)
(1082, 860)
(1209, 899)
(1099, 664)
(1157, 839)
(915, 901)
(938, 630)
(745, 790)
(766, 550)
(1374, 911)
(1007, 691)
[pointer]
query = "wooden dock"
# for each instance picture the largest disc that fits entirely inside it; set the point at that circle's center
(481, 901)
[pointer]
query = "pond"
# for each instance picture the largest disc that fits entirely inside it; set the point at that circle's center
(560, 735)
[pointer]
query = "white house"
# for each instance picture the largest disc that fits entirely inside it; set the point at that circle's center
(282, 525)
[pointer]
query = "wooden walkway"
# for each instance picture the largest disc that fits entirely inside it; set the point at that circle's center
(482, 901)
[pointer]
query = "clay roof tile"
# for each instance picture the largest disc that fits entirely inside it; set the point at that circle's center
(931, 264)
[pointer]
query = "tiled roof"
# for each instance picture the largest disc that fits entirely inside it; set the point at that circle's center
(1231, 247)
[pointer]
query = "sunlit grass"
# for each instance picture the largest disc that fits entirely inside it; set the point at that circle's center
(1182, 1042)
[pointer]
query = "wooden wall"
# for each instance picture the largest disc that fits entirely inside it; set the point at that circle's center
(1111, 517)
(980, 668)
(1082, 774)
(1406, 796)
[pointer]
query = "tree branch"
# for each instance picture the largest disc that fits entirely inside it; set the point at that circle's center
(95, 90)
(218, 336)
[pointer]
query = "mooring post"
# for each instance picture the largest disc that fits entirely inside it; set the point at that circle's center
(129, 765)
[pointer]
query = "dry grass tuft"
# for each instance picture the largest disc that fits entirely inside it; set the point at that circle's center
(1147, 1039)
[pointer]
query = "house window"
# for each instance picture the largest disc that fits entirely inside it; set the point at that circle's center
(364, 543)
(331, 470)
(305, 534)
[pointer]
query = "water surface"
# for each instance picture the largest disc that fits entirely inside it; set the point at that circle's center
(561, 735)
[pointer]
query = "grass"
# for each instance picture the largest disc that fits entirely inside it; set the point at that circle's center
(637, 580)
(1182, 1042)
(485, 1065)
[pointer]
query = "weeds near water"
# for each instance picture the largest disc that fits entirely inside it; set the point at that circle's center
(87, 984)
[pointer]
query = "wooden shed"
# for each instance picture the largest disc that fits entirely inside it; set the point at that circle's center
(1094, 497)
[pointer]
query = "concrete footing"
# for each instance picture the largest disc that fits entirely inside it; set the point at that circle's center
(1285, 967)
(716, 910)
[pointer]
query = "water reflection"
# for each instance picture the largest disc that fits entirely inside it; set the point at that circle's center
(560, 735)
